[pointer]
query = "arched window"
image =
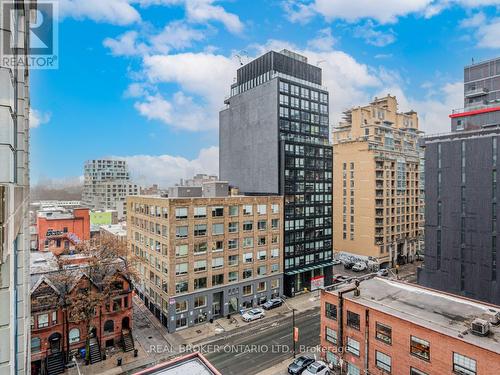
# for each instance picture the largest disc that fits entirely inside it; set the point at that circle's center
(35, 344)
(109, 326)
(74, 335)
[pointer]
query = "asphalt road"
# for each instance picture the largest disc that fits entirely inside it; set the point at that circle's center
(262, 345)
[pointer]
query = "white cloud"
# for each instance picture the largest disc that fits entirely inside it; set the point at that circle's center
(118, 12)
(487, 31)
(176, 35)
(167, 170)
(372, 36)
(204, 10)
(383, 11)
(38, 118)
(323, 42)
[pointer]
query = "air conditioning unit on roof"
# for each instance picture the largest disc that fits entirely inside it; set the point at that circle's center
(480, 327)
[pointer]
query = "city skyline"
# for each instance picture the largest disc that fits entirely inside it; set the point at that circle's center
(155, 61)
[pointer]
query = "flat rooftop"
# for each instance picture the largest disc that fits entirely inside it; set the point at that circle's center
(192, 364)
(441, 312)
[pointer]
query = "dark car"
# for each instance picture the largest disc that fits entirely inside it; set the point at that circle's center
(272, 303)
(348, 265)
(299, 365)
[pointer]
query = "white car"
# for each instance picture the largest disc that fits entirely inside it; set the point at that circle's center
(336, 262)
(317, 368)
(358, 267)
(253, 314)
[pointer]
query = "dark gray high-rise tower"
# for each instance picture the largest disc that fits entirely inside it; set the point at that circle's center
(274, 140)
(461, 194)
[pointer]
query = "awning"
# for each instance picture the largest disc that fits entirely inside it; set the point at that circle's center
(308, 268)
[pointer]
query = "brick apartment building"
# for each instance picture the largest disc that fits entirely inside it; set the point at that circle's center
(55, 337)
(389, 327)
(204, 254)
(59, 230)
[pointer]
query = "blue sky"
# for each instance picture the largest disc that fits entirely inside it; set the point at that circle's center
(145, 79)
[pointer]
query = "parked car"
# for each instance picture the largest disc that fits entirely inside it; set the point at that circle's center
(339, 278)
(317, 368)
(383, 272)
(336, 262)
(252, 314)
(299, 365)
(360, 266)
(348, 265)
(272, 303)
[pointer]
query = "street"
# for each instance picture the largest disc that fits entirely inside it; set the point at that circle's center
(251, 351)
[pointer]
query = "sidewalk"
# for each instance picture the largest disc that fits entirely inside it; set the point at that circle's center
(210, 332)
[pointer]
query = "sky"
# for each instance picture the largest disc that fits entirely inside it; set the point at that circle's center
(144, 80)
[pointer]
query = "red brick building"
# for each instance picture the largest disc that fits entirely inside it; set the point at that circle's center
(61, 230)
(389, 327)
(55, 336)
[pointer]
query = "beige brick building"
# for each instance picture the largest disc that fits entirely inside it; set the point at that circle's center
(206, 257)
(376, 168)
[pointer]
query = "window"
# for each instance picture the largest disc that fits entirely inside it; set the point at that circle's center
(247, 290)
(181, 213)
(200, 248)
(232, 276)
(261, 241)
(248, 242)
(420, 348)
(261, 209)
(247, 209)
(74, 335)
(275, 253)
(181, 250)
(275, 223)
(353, 320)
(200, 229)
(218, 246)
(200, 265)
(217, 211)
(331, 335)
(233, 210)
(200, 212)
(109, 326)
(181, 306)
(352, 370)
(262, 225)
(275, 208)
(382, 361)
(247, 257)
(233, 227)
(331, 311)
(414, 371)
(200, 283)
(232, 260)
(200, 301)
(284, 86)
(217, 262)
(261, 286)
(352, 346)
(181, 269)
(54, 316)
(232, 244)
(383, 333)
(43, 320)
(275, 283)
(35, 344)
(275, 268)
(247, 273)
(217, 229)
(181, 232)
(261, 270)
(217, 279)
(247, 225)
(463, 365)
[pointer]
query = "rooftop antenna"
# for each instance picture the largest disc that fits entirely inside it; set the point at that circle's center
(240, 56)
(473, 61)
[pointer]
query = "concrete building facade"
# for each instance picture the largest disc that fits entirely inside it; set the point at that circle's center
(461, 195)
(386, 326)
(376, 188)
(14, 190)
(274, 140)
(106, 185)
(206, 258)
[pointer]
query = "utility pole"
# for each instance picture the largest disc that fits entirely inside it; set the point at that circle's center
(294, 332)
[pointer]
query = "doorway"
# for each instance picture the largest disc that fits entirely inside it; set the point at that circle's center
(126, 323)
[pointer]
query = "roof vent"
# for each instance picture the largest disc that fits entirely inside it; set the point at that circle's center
(495, 319)
(480, 327)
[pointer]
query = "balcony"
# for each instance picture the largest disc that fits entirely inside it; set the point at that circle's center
(486, 107)
(480, 91)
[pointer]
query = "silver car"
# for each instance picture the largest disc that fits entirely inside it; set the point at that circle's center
(253, 314)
